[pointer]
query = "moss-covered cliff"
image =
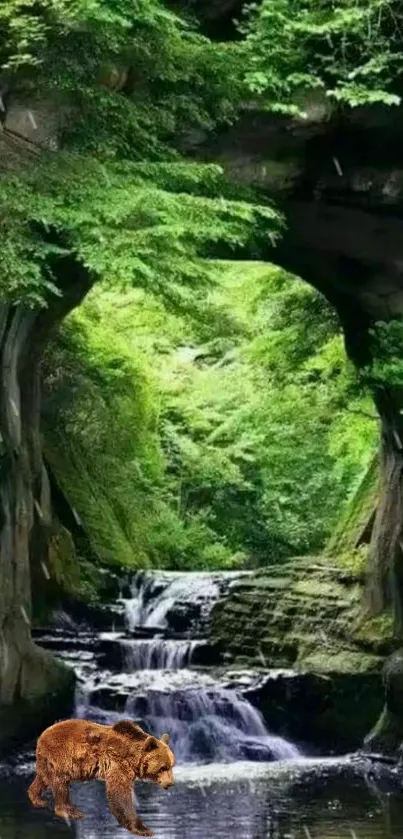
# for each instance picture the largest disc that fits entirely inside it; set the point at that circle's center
(98, 429)
(307, 612)
(354, 526)
(306, 615)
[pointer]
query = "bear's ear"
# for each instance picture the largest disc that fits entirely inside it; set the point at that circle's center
(165, 739)
(130, 729)
(150, 744)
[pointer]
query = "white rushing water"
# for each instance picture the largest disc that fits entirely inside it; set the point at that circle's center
(208, 721)
(209, 724)
(157, 653)
(155, 594)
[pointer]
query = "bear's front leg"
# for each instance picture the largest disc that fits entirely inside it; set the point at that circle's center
(119, 792)
(63, 806)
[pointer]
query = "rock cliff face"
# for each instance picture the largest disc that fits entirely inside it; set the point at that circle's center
(306, 616)
(33, 687)
(303, 614)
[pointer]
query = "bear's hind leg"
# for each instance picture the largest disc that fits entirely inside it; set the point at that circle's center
(63, 806)
(35, 791)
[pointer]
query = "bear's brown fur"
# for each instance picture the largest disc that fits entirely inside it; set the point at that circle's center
(78, 750)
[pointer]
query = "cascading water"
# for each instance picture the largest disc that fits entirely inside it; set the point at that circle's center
(156, 653)
(209, 725)
(157, 685)
(159, 596)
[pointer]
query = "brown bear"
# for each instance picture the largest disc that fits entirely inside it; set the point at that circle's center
(78, 750)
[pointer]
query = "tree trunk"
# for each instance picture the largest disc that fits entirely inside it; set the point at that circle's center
(27, 673)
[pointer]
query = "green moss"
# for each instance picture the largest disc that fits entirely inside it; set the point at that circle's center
(113, 539)
(354, 560)
(314, 587)
(376, 631)
(343, 662)
(350, 530)
(63, 562)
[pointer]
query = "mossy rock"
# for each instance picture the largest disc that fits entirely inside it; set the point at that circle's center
(387, 735)
(353, 528)
(342, 662)
(313, 623)
(63, 561)
(45, 694)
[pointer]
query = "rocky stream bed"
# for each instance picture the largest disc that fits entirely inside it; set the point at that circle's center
(249, 757)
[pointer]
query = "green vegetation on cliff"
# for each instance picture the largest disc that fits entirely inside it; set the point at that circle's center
(228, 439)
(350, 50)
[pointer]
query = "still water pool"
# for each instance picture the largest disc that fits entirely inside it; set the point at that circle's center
(321, 799)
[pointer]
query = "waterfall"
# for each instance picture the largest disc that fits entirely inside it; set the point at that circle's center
(157, 594)
(147, 673)
(209, 725)
(156, 653)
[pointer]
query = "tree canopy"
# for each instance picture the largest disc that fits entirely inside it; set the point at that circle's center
(121, 85)
(118, 85)
(349, 49)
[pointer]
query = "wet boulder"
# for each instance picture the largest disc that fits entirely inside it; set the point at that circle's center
(387, 735)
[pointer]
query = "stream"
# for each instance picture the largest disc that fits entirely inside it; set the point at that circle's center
(147, 658)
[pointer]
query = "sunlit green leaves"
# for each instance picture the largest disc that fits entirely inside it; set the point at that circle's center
(130, 224)
(350, 48)
(240, 436)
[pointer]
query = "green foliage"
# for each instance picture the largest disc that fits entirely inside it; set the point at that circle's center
(128, 82)
(251, 429)
(82, 54)
(292, 421)
(386, 348)
(130, 223)
(217, 442)
(118, 86)
(351, 49)
(99, 426)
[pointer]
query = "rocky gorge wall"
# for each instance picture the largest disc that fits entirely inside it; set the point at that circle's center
(305, 618)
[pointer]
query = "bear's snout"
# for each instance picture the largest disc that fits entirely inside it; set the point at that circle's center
(167, 784)
(166, 780)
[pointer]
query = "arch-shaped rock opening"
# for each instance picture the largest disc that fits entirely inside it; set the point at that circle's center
(339, 182)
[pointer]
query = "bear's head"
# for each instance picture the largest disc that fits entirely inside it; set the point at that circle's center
(158, 761)
(154, 758)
